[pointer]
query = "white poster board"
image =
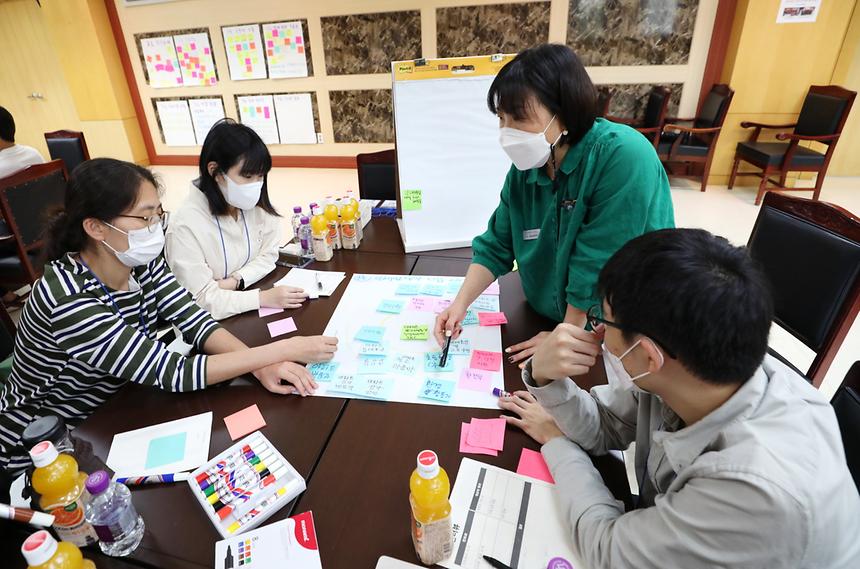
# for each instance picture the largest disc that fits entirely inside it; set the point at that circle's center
(176, 123)
(295, 118)
(448, 155)
(258, 112)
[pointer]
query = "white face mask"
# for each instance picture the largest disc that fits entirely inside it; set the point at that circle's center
(242, 196)
(143, 245)
(617, 375)
(527, 150)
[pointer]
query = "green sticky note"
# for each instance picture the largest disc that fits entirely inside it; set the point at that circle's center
(411, 200)
(415, 332)
(165, 450)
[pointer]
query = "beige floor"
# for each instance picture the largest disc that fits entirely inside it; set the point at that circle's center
(724, 212)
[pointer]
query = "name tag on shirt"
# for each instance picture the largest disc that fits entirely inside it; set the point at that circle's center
(531, 234)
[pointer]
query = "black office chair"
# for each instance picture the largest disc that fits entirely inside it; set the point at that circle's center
(377, 175)
(810, 252)
(846, 404)
(654, 117)
(68, 146)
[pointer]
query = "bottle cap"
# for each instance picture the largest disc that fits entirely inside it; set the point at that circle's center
(44, 454)
(316, 210)
(39, 548)
(48, 428)
(428, 464)
(297, 209)
(304, 220)
(97, 482)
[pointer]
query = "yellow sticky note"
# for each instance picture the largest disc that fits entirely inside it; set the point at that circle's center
(411, 200)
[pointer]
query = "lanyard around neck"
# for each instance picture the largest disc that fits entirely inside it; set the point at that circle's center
(141, 319)
(224, 245)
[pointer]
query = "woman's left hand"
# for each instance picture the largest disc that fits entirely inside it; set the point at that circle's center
(531, 417)
(519, 353)
(301, 380)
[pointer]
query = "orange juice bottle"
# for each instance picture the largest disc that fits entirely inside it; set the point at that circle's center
(320, 236)
(41, 551)
(331, 215)
(431, 511)
(349, 234)
(350, 197)
(61, 486)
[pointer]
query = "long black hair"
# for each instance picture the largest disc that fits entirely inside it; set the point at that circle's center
(555, 76)
(101, 188)
(227, 143)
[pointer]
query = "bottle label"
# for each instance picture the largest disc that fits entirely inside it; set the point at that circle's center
(322, 248)
(117, 528)
(70, 524)
(434, 541)
(334, 235)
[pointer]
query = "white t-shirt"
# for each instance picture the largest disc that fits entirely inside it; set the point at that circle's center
(17, 158)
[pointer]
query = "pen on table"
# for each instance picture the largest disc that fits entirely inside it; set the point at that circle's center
(153, 479)
(444, 359)
(500, 392)
(495, 562)
(317, 278)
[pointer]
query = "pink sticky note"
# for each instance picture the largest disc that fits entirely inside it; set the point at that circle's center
(245, 421)
(266, 311)
(206, 50)
(441, 304)
(487, 433)
(270, 43)
(492, 289)
(532, 464)
(193, 45)
(266, 112)
(492, 318)
(422, 304)
(274, 32)
(281, 327)
(488, 361)
(465, 447)
(476, 380)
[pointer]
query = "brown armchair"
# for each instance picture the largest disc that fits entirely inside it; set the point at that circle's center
(695, 144)
(821, 119)
(604, 100)
(68, 146)
(846, 405)
(655, 114)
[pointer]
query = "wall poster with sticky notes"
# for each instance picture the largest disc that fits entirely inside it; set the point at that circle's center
(194, 53)
(160, 62)
(244, 47)
(285, 50)
(387, 351)
(258, 112)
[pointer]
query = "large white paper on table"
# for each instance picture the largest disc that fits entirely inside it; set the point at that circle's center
(258, 112)
(164, 448)
(295, 118)
(176, 123)
(386, 562)
(405, 382)
(195, 59)
(162, 66)
(285, 50)
(512, 518)
(205, 113)
(244, 48)
(307, 280)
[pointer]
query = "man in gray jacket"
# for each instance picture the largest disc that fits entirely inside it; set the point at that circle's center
(739, 460)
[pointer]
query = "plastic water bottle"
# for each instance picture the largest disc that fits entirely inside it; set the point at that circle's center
(296, 221)
(306, 237)
(113, 516)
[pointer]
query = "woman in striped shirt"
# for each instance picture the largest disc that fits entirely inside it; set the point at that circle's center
(89, 326)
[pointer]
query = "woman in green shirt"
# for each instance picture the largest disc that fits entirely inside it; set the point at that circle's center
(580, 187)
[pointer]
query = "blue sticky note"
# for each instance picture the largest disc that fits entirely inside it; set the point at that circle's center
(371, 334)
(165, 450)
(471, 318)
(391, 306)
(376, 350)
(437, 390)
(433, 290)
(407, 289)
(364, 386)
(323, 371)
(373, 364)
(431, 362)
(486, 303)
(454, 287)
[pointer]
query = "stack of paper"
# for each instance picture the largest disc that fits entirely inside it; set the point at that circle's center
(315, 283)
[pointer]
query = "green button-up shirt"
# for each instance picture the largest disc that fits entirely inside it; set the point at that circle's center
(609, 188)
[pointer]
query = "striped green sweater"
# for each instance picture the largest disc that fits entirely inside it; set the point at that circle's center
(73, 351)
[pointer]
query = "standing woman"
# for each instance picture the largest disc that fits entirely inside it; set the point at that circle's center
(580, 187)
(90, 324)
(225, 236)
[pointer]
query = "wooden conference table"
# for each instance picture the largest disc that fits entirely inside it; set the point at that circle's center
(356, 455)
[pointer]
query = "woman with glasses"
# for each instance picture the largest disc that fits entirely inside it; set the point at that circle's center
(225, 237)
(90, 324)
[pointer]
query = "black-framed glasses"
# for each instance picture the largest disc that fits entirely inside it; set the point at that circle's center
(591, 316)
(160, 216)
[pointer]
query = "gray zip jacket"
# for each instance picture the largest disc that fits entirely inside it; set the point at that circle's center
(759, 482)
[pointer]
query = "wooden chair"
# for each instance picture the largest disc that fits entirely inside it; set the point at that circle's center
(696, 144)
(810, 252)
(846, 405)
(377, 175)
(68, 146)
(604, 100)
(654, 117)
(26, 199)
(821, 119)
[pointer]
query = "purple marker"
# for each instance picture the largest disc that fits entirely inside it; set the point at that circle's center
(500, 392)
(559, 563)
